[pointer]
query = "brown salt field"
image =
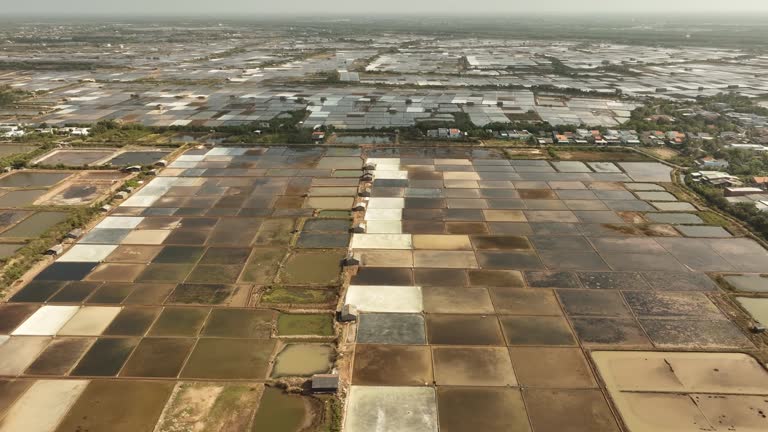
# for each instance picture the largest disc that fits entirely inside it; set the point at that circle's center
(493, 294)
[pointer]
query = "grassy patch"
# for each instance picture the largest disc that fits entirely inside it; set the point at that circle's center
(281, 295)
(305, 325)
(712, 218)
(332, 418)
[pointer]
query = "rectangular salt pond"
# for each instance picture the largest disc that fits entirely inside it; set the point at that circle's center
(46, 321)
(384, 227)
(90, 321)
(383, 214)
(381, 241)
(120, 222)
(386, 203)
(378, 298)
(88, 253)
(381, 409)
(42, 406)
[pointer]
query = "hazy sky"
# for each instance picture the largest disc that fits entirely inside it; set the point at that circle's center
(391, 7)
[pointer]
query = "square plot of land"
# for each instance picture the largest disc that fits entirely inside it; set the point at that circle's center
(458, 300)
(610, 331)
(466, 228)
(311, 267)
(674, 206)
(571, 166)
(214, 274)
(132, 321)
(87, 253)
(510, 228)
(59, 356)
(560, 243)
(165, 273)
(386, 258)
(133, 254)
(490, 409)
(386, 203)
(629, 205)
(574, 196)
(501, 243)
(321, 240)
(391, 328)
(573, 260)
(680, 281)
(555, 279)
(693, 372)
(90, 321)
(656, 196)
(146, 237)
(551, 367)
(179, 322)
(40, 405)
(179, 255)
(201, 294)
(158, 358)
(440, 277)
(672, 304)
(496, 278)
(571, 410)
(384, 227)
(105, 357)
(593, 303)
(384, 215)
(11, 315)
(116, 272)
(613, 281)
(384, 408)
(229, 359)
(463, 330)
(504, 216)
(551, 216)
(111, 293)
(642, 245)
(373, 298)
(701, 231)
(444, 259)
(16, 353)
(509, 260)
(105, 236)
(239, 323)
(72, 271)
(392, 365)
(537, 330)
(46, 321)
(525, 301)
(120, 222)
(381, 241)
(743, 253)
(423, 227)
(748, 283)
(37, 291)
(118, 406)
(695, 334)
(263, 265)
(383, 276)
(680, 412)
(484, 367)
(327, 225)
(441, 242)
(536, 194)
